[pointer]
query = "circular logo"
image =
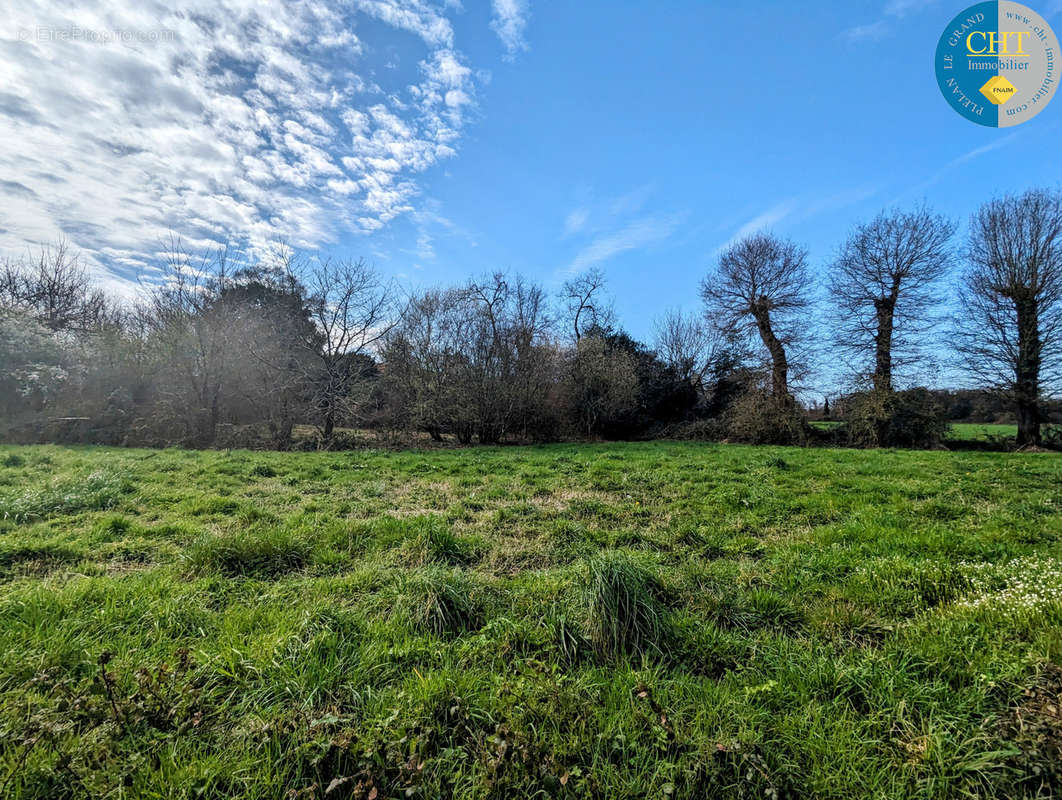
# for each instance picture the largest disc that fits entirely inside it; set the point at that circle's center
(998, 64)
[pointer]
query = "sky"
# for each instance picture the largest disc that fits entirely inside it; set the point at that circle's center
(445, 140)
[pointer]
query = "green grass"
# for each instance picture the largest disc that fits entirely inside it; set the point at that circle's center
(661, 620)
(969, 431)
(961, 431)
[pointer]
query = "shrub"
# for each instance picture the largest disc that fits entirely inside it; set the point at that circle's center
(757, 418)
(912, 418)
(1052, 437)
(263, 554)
(698, 430)
(623, 602)
(440, 602)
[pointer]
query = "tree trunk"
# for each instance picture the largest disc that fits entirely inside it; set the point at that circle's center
(1028, 422)
(209, 433)
(329, 423)
(884, 309)
(779, 363)
(283, 434)
(464, 434)
(1027, 372)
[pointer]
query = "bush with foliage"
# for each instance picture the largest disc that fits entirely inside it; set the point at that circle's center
(911, 418)
(757, 418)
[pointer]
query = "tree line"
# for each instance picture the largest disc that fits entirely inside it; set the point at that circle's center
(288, 350)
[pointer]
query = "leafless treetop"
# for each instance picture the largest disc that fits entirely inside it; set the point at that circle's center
(885, 283)
(759, 273)
(1011, 303)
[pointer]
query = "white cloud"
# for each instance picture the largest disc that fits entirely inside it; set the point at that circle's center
(799, 208)
(891, 13)
(639, 233)
(901, 8)
(576, 220)
(762, 221)
(430, 222)
(509, 20)
(123, 121)
(969, 155)
(872, 30)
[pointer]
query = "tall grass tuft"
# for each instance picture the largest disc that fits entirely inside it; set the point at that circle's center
(99, 491)
(265, 554)
(436, 544)
(623, 601)
(440, 602)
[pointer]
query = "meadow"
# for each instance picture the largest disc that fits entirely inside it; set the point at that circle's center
(643, 620)
(958, 431)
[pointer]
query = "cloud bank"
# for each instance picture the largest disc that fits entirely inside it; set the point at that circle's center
(267, 119)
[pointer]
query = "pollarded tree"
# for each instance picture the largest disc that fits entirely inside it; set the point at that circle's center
(884, 285)
(1010, 328)
(761, 288)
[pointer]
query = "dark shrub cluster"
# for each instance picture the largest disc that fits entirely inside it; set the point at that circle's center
(912, 418)
(757, 418)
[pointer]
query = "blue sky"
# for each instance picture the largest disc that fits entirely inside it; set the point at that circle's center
(444, 140)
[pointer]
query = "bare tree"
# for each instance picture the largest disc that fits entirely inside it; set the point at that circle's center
(55, 287)
(760, 288)
(1010, 329)
(475, 361)
(586, 303)
(884, 284)
(506, 367)
(192, 326)
(353, 308)
(689, 345)
(425, 362)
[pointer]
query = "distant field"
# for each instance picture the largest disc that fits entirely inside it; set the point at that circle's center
(963, 431)
(661, 620)
(973, 431)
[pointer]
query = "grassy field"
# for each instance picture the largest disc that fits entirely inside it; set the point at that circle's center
(969, 431)
(659, 620)
(959, 431)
